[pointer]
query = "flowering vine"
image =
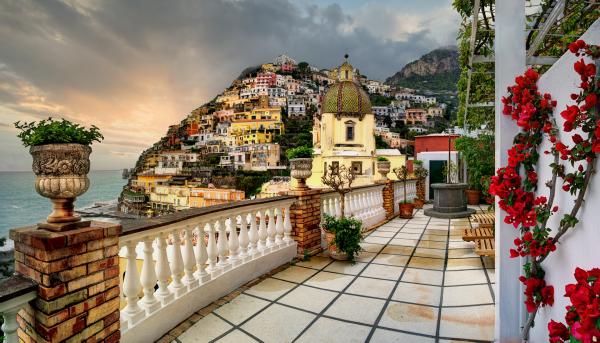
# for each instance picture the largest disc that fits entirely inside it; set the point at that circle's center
(516, 183)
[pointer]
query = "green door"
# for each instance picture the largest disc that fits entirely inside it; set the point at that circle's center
(436, 174)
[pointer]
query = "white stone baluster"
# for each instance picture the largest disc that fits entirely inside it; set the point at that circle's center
(10, 324)
(244, 239)
(253, 235)
(287, 226)
(176, 285)
(149, 278)
(278, 227)
(163, 271)
(234, 244)
(338, 209)
(189, 260)
(262, 233)
(201, 256)
(326, 208)
(131, 287)
(271, 230)
(212, 252)
(222, 246)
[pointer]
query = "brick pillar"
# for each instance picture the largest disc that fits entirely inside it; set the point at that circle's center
(388, 199)
(305, 215)
(77, 272)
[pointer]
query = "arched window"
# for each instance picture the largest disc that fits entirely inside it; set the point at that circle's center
(350, 130)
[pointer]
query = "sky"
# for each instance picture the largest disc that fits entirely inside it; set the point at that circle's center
(133, 68)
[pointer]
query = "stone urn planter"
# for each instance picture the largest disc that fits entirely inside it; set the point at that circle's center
(61, 175)
(449, 201)
(334, 251)
(301, 170)
(473, 196)
(383, 168)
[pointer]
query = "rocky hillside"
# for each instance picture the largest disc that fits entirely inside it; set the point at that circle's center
(437, 70)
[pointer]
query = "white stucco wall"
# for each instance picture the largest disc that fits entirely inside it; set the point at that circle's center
(579, 247)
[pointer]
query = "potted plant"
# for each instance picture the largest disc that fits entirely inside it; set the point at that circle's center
(406, 206)
(343, 237)
(421, 175)
(301, 164)
(479, 158)
(383, 167)
(60, 151)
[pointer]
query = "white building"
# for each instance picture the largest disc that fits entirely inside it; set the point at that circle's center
(296, 107)
(283, 59)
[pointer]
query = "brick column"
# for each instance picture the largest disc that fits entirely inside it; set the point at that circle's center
(77, 272)
(305, 215)
(388, 199)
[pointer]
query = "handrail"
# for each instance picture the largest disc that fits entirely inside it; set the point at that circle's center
(15, 292)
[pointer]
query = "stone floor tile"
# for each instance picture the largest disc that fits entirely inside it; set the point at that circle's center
(278, 324)
(464, 277)
(418, 294)
(426, 263)
(464, 263)
(461, 245)
(435, 231)
(332, 281)
(333, 331)
(428, 277)
(404, 242)
(393, 260)
(346, 267)
(270, 288)
(407, 235)
(426, 252)
(383, 272)
(370, 247)
(467, 295)
(489, 262)
(382, 233)
(295, 274)
(315, 262)
(409, 317)
(356, 308)
(473, 322)
(415, 230)
(371, 287)
(398, 250)
(236, 336)
(376, 240)
(207, 329)
(437, 238)
(491, 274)
(461, 253)
(241, 308)
(365, 256)
(308, 298)
(432, 245)
(389, 336)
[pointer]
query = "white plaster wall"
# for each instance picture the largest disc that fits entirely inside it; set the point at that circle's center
(580, 246)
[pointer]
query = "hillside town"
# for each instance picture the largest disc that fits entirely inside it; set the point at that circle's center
(233, 147)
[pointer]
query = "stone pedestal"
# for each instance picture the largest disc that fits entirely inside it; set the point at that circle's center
(77, 272)
(305, 216)
(449, 201)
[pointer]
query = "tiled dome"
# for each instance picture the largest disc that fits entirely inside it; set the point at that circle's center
(346, 97)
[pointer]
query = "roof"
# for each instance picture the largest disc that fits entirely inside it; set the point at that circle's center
(346, 97)
(388, 152)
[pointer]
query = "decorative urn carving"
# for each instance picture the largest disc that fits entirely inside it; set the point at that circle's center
(383, 168)
(301, 170)
(61, 175)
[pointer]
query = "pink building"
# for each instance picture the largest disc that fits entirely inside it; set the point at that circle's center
(267, 79)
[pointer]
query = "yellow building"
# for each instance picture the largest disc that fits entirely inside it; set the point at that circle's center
(147, 183)
(269, 67)
(345, 134)
(259, 125)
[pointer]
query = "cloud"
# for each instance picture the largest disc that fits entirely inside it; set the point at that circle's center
(134, 67)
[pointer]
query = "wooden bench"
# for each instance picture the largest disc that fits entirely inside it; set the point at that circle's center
(485, 247)
(485, 220)
(470, 235)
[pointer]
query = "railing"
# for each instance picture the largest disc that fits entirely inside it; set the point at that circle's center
(192, 258)
(363, 203)
(15, 292)
(411, 193)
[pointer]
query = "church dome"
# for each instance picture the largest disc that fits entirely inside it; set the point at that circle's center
(346, 97)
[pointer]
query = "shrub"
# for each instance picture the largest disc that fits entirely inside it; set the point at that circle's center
(382, 159)
(50, 131)
(348, 233)
(299, 152)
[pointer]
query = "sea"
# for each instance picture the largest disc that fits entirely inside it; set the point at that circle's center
(20, 205)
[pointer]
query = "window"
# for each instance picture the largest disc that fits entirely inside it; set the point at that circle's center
(349, 130)
(335, 166)
(357, 168)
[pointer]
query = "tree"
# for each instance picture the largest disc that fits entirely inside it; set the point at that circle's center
(340, 179)
(380, 143)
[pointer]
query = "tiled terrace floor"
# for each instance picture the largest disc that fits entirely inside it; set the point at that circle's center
(417, 281)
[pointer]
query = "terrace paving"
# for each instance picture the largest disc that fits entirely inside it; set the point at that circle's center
(416, 281)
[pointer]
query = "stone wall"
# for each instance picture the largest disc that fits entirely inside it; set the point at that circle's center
(388, 199)
(305, 215)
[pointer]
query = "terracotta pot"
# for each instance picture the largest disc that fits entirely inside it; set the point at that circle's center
(473, 196)
(334, 252)
(301, 170)
(406, 210)
(61, 175)
(383, 168)
(419, 203)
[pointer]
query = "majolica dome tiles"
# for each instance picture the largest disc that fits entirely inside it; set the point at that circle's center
(346, 97)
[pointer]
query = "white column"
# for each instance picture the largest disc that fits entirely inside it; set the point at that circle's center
(10, 325)
(163, 271)
(271, 230)
(131, 287)
(201, 256)
(338, 208)
(212, 252)
(509, 49)
(278, 227)
(244, 239)
(176, 286)
(253, 235)
(149, 278)
(287, 226)
(189, 260)
(222, 246)
(234, 245)
(262, 233)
